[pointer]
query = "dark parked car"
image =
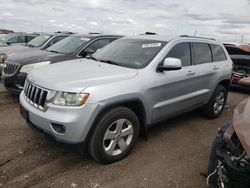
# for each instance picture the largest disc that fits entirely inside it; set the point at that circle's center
(229, 161)
(6, 31)
(240, 55)
(16, 38)
(41, 42)
(75, 46)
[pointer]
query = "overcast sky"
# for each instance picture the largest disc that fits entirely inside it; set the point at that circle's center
(226, 20)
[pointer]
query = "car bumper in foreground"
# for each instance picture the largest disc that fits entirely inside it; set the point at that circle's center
(232, 165)
(65, 124)
(14, 83)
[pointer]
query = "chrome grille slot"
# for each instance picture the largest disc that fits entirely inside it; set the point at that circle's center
(11, 67)
(35, 95)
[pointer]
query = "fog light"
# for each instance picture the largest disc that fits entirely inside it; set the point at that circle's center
(58, 128)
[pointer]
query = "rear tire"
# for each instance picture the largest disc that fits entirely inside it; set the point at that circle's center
(217, 102)
(114, 136)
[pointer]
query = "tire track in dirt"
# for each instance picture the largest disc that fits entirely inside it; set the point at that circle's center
(39, 172)
(8, 100)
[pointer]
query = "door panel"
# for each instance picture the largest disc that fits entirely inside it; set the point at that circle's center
(177, 91)
(206, 69)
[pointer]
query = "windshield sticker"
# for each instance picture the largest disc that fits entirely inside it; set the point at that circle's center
(151, 45)
(86, 39)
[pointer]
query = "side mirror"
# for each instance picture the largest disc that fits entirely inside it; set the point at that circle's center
(170, 64)
(87, 52)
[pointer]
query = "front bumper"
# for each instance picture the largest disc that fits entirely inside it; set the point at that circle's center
(76, 120)
(237, 174)
(14, 83)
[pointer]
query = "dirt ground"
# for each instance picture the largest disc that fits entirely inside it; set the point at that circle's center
(174, 155)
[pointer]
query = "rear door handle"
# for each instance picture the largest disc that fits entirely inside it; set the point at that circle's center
(190, 73)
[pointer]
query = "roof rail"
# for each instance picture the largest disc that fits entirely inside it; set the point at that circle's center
(150, 33)
(197, 37)
(64, 32)
(94, 33)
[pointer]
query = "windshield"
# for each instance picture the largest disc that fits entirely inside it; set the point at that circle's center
(38, 41)
(132, 53)
(4, 38)
(68, 45)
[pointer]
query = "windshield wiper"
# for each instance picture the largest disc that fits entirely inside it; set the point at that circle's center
(53, 51)
(29, 45)
(109, 62)
(91, 57)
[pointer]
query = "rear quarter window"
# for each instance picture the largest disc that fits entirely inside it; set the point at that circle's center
(218, 53)
(201, 53)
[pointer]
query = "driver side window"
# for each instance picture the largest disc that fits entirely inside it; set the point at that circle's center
(181, 51)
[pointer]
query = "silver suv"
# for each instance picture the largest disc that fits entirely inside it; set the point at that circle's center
(105, 101)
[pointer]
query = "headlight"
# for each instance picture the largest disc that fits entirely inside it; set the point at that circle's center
(70, 99)
(30, 67)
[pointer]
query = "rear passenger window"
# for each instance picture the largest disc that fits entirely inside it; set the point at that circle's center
(182, 52)
(218, 53)
(201, 53)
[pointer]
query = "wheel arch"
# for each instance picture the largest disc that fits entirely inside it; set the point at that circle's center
(226, 83)
(136, 105)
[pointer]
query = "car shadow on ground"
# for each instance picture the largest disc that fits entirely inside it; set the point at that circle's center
(154, 131)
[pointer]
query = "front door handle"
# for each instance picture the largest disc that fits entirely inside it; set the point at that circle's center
(190, 73)
(215, 68)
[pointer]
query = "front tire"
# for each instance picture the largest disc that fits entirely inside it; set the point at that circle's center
(114, 136)
(217, 102)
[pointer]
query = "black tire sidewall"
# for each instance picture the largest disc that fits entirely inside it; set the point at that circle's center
(210, 107)
(96, 145)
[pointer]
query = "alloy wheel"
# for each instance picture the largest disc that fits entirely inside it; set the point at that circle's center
(118, 137)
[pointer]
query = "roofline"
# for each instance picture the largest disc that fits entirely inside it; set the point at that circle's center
(188, 36)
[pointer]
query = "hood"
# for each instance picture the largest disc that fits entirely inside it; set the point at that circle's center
(8, 50)
(76, 75)
(33, 56)
(241, 123)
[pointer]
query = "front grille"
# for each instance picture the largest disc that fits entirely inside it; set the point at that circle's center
(35, 95)
(11, 67)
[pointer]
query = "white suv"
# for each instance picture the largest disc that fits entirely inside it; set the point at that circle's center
(124, 88)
